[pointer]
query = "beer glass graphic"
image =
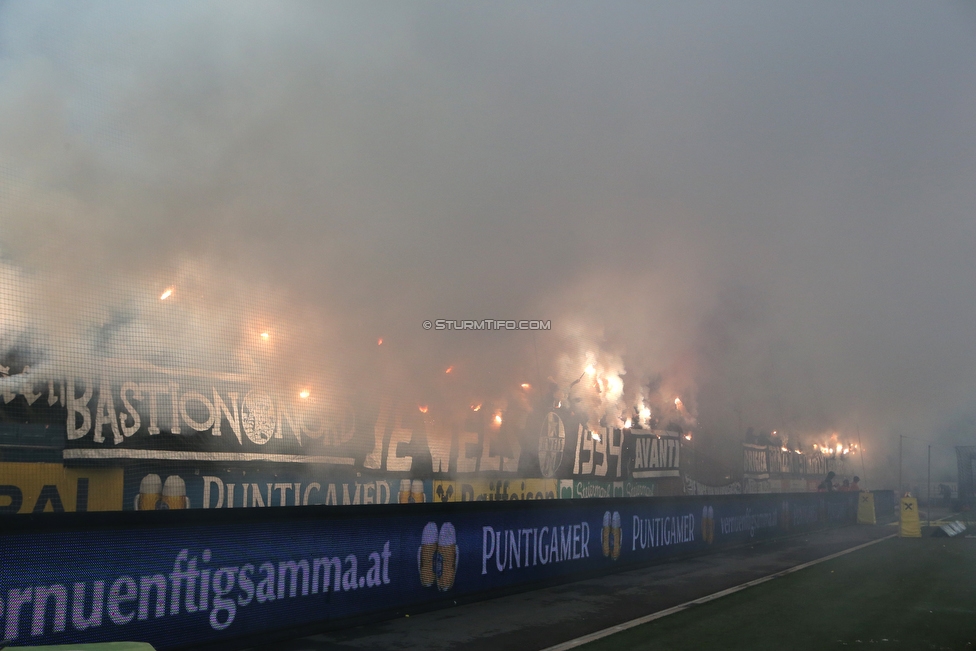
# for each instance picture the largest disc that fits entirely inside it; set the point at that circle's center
(617, 534)
(150, 491)
(417, 491)
(437, 557)
(425, 556)
(445, 560)
(174, 494)
(708, 524)
(404, 496)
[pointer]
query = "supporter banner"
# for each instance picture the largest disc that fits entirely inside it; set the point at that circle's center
(237, 576)
(152, 414)
(755, 462)
(653, 455)
(693, 487)
(494, 490)
(762, 462)
(179, 487)
(50, 487)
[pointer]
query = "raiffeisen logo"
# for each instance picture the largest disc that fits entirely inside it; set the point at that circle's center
(437, 558)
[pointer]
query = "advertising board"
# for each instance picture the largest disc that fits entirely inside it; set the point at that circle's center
(173, 579)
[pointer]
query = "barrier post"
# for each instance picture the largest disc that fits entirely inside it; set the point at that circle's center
(910, 527)
(865, 509)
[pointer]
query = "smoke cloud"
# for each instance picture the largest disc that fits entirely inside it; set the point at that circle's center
(762, 210)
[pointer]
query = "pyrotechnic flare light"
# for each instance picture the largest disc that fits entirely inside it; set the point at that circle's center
(476, 407)
(166, 294)
(422, 408)
(305, 393)
(627, 423)
(498, 419)
(449, 369)
(687, 437)
(265, 336)
(677, 403)
(379, 342)
(645, 413)
(785, 449)
(595, 437)
(526, 385)
(590, 370)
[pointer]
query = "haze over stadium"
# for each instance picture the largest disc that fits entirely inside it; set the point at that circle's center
(730, 219)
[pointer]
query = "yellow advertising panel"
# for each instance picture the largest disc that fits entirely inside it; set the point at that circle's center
(910, 525)
(50, 487)
(495, 490)
(865, 508)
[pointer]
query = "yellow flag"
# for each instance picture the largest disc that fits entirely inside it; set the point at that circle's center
(865, 508)
(910, 525)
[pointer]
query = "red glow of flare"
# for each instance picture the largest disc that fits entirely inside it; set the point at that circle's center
(305, 393)
(687, 437)
(526, 385)
(449, 369)
(379, 342)
(265, 336)
(166, 294)
(476, 407)
(422, 408)
(498, 419)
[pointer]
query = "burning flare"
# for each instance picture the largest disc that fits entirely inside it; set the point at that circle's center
(449, 369)
(305, 393)
(166, 294)
(476, 407)
(379, 342)
(526, 385)
(422, 408)
(498, 419)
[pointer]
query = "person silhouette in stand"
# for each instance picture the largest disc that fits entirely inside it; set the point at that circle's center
(827, 485)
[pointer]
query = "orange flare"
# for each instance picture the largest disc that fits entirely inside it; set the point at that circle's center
(379, 342)
(449, 369)
(166, 294)
(305, 393)
(526, 385)
(422, 408)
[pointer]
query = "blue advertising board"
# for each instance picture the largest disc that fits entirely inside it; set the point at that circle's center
(176, 579)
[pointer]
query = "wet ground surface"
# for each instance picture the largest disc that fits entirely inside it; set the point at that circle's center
(541, 618)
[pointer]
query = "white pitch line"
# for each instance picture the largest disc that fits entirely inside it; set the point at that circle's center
(592, 637)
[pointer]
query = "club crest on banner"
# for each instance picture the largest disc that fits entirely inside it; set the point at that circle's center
(551, 445)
